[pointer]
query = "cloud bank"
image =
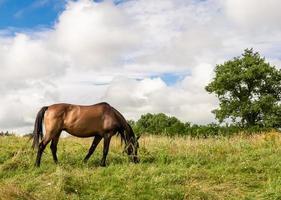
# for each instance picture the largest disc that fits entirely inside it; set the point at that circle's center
(118, 53)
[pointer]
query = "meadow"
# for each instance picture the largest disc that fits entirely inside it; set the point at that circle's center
(238, 167)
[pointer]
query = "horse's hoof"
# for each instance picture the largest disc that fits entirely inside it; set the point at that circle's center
(102, 164)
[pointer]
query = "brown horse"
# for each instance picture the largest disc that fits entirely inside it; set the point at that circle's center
(99, 120)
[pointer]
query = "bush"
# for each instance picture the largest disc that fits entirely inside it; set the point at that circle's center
(161, 124)
(6, 133)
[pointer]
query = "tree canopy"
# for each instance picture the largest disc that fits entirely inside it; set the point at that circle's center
(248, 89)
(159, 124)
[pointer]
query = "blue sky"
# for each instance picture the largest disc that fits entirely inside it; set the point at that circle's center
(26, 14)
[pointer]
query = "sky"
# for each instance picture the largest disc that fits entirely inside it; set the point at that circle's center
(138, 55)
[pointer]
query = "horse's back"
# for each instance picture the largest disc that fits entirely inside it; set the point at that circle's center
(67, 110)
(57, 110)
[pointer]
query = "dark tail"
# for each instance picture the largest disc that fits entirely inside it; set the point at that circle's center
(38, 128)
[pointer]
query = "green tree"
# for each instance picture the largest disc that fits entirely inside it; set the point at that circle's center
(248, 89)
(160, 124)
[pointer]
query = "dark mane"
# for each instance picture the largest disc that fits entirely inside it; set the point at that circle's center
(126, 127)
(131, 132)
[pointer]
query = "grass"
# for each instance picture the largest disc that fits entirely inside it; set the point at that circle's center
(171, 168)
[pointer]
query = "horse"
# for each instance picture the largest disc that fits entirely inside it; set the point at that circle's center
(100, 121)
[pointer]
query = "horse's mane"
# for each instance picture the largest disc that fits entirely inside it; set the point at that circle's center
(126, 127)
(130, 132)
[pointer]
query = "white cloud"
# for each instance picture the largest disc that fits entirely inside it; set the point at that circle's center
(102, 51)
(187, 100)
(176, 33)
(94, 35)
(254, 14)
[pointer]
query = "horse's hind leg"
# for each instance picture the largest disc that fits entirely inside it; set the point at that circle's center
(54, 147)
(52, 132)
(93, 147)
(41, 148)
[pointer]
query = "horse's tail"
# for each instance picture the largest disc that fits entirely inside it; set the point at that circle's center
(38, 127)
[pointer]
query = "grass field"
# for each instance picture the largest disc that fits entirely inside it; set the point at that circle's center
(170, 168)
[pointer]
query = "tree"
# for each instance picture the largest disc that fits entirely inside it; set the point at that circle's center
(248, 89)
(160, 124)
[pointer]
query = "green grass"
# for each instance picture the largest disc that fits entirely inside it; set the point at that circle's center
(170, 168)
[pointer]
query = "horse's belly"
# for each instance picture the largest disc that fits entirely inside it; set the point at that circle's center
(86, 127)
(83, 133)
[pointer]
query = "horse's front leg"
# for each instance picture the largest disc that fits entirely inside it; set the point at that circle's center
(106, 143)
(94, 145)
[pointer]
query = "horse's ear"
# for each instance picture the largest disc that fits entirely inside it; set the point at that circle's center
(138, 137)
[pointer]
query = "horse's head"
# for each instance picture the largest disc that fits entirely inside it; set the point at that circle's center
(132, 149)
